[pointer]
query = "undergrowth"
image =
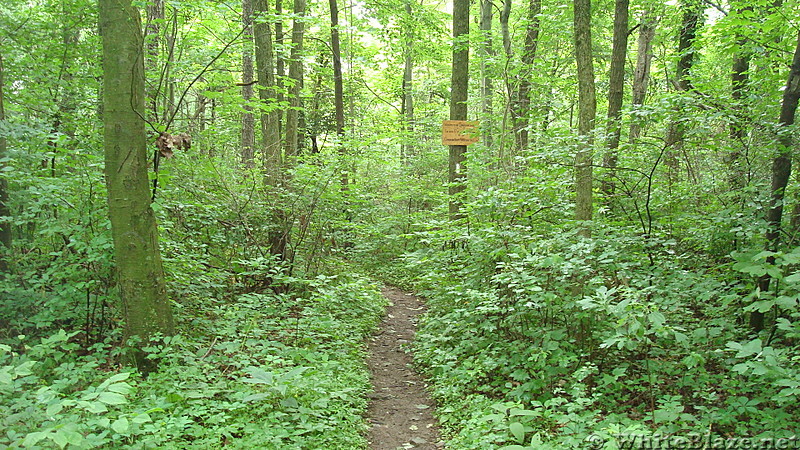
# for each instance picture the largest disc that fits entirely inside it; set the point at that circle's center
(264, 371)
(537, 337)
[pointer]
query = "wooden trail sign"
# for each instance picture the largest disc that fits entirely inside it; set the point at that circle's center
(459, 132)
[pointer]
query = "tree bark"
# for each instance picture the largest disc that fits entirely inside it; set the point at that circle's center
(265, 67)
(248, 119)
(486, 78)
(407, 110)
(692, 14)
(5, 211)
(781, 171)
(338, 88)
(280, 62)
(616, 85)
(587, 108)
(739, 81)
(459, 82)
(133, 226)
(155, 18)
(296, 81)
(528, 57)
(641, 75)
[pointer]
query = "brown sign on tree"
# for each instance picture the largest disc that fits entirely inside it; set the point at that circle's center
(459, 132)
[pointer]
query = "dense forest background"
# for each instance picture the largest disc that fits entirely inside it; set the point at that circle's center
(617, 256)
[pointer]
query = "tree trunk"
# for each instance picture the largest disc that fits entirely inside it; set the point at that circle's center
(486, 78)
(407, 110)
(248, 120)
(338, 87)
(459, 83)
(265, 56)
(512, 83)
(739, 81)
(155, 18)
(296, 80)
(5, 211)
(616, 85)
(133, 226)
(280, 63)
(587, 108)
(692, 14)
(528, 57)
(781, 171)
(641, 75)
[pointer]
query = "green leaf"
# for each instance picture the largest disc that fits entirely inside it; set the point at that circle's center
(255, 397)
(260, 376)
(55, 408)
(657, 319)
(121, 388)
(751, 268)
(793, 278)
(33, 438)
(751, 348)
(5, 375)
(118, 377)
(94, 407)
(24, 369)
(518, 431)
(59, 438)
(141, 418)
(121, 425)
(786, 302)
(73, 437)
(112, 398)
(290, 402)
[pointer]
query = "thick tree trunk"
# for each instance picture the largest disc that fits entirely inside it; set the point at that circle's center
(616, 85)
(459, 83)
(781, 171)
(265, 67)
(641, 75)
(248, 119)
(133, 226)
(296, 80)
(5, 211)
(587, 108)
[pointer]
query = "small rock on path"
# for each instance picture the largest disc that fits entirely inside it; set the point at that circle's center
(400, 410)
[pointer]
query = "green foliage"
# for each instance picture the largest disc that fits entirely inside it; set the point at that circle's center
(537, 338)
(275, 370)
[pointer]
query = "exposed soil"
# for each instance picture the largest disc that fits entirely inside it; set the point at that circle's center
(400, 410)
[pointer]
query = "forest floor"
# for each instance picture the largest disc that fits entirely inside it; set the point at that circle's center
(400, 409)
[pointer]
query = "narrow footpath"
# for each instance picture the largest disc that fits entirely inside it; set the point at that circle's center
(400, 409)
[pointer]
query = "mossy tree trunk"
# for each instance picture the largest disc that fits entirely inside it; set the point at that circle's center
(587, 109)
(142, 290)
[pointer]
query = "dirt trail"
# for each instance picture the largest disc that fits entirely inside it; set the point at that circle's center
(400, 410)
